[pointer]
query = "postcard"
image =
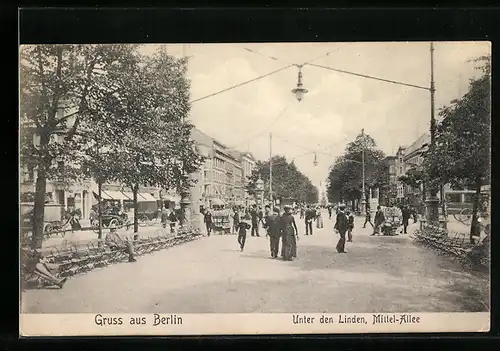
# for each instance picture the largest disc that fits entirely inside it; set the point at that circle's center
(254, 188)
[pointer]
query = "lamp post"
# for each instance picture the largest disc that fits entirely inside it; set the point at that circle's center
(432, 201)
(363, 190)
(271, 169)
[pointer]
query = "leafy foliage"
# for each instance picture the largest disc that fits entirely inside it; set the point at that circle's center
(346, 174)
(107, 112)
(461, 156)
(288, 181)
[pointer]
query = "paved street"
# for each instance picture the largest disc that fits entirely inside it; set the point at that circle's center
(383, 274)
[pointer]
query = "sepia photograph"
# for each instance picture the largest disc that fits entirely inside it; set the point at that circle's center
(254, 188)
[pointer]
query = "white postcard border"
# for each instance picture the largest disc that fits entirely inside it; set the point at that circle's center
(249, 323)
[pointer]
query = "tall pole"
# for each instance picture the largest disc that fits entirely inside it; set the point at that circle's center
(271, 168)
(432, 201)
(363, 196)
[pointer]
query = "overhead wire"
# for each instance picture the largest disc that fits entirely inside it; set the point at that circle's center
(327, 54)
(241, 84)
(369, 77)
(270, 57)
(266, 130)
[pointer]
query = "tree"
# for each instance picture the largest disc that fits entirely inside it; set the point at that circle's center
(288, 181)
(462, 153)
(58, 87)
(344, 182)
(153, 103)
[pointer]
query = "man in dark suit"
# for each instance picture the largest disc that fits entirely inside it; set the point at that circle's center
(341, 226)
(273, 226)
(254, 214)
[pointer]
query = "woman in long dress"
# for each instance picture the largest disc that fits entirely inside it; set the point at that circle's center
(290, 232)
(319, 218)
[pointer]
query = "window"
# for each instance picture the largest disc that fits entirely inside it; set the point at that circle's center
(453, 197)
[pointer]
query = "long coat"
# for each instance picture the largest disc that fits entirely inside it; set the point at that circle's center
(273, 225)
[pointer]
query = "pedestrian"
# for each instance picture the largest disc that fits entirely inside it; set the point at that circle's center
(261, 216)
(329, 211)
(273, 226)
(207, 218)
(309, 217)
(379, 220)
(350, 226)
(254, 214)
(341, 228)
(173, 221)
(114, 242)
(405, 214)
(236, 221)
(368, 217)
(34, 263)
(414, 214)
(319, 218)
(164, 217)
(243, 226)
(290, 235)
(302, 211)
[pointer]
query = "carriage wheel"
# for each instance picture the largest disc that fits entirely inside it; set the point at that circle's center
(113, 222)
(465, 215)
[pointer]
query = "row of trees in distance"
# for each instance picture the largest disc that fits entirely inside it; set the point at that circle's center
(344, 182)
(288, 181)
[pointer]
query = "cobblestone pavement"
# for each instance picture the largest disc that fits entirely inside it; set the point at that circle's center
(378, 274)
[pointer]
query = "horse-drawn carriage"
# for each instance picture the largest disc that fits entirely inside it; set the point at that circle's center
(57, 221)
(109, 220)
(148, 213)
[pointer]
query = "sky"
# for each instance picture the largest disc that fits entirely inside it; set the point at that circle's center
(337, 105)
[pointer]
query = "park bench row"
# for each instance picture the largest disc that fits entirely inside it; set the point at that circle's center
(455, 245)
(77, 259)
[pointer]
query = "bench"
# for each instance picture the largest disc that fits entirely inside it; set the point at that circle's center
(423, 223)
(83, 258)
(455, 245)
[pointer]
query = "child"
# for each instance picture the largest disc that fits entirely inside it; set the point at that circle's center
(350, 226)
(243, 226)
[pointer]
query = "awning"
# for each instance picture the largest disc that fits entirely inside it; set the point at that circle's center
(129, 194)
(172, 198)
(218, 202)
(113, 195)
(145, 197)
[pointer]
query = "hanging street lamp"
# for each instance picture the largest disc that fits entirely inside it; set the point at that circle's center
(300, 90)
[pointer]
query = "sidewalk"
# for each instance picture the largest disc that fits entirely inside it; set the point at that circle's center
(211, 275)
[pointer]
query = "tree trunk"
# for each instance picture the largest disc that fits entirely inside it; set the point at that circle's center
(39, 210)
(135, 190)
(99, 209)
(474, 230)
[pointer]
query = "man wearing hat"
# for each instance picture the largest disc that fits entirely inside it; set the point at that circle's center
(114, 241)
(341, 226)
(273, 227)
